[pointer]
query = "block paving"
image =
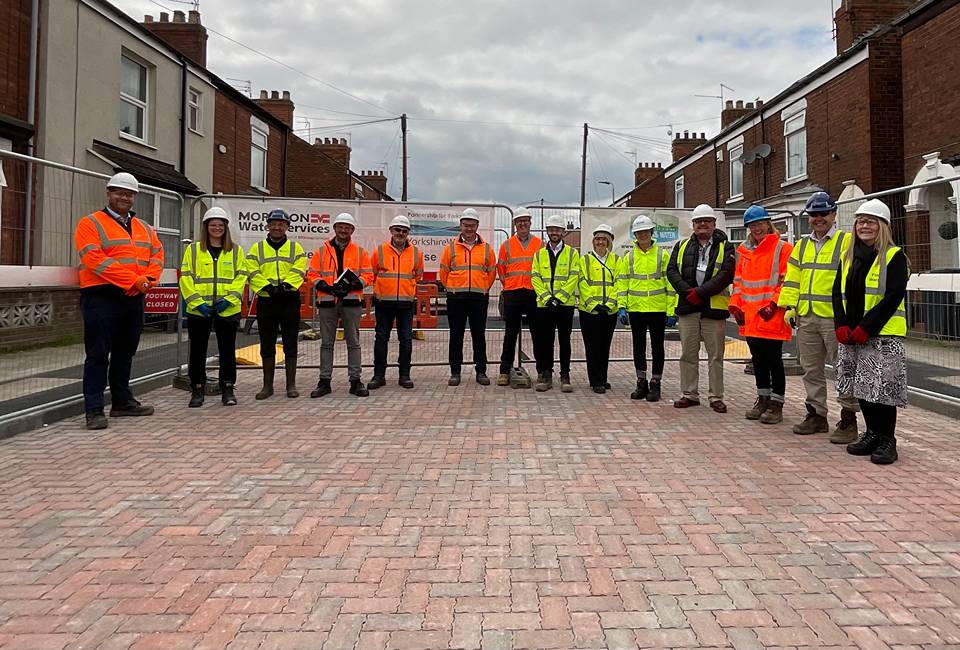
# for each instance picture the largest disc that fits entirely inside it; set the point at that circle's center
(475, 518)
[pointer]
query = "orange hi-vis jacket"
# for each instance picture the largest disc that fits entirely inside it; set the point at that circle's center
(396, 273)
(468, 270)
(323, 266)
(757, 282)
(516, 261)
(111, 255)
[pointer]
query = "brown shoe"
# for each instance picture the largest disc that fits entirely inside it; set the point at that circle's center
(846, 431)
(503, 379)
(761, 405)
(685, 403)
(718, 406)
(773, 414)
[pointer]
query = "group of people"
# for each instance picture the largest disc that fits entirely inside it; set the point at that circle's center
(842, 292)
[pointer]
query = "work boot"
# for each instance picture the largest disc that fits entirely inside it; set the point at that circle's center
(758, 407)
(196, 396)
(503, 379)
(269, 367)
(544, 381)
(405, 382)
(132, 408)
(454, 379)
(482, 379)
(376, 382)
(846, 431)
(886, 453)
(773, 414)
(291, 375)
(811, 424)
(96, 420)
(565, 385)
(868, 443)
(226, 394)
(654, 393)
(323, 388)
(642, 390)
(357, 388)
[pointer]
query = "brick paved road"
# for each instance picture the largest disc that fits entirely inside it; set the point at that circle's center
(475, 518)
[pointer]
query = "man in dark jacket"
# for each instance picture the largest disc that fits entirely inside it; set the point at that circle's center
(701, 270)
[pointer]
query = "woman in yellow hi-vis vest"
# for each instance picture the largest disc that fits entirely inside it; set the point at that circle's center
(212, 277)
(871, 321)
(598, 305)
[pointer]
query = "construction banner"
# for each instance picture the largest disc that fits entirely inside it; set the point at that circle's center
(672, 225)
(433, 227)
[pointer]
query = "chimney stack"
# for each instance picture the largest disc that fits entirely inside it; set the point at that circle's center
(187, 36)
(375, 179)
(854, 18)
(686, 144)
(280, 107)
(733, 112)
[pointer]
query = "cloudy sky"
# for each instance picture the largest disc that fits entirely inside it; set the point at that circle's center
(497, 91)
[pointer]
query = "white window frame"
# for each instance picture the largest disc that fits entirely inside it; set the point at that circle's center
(678, 198)
(259, 128)
(195, 110)
(736, 164)
(154, 220)
(793, 126)
(136, 102)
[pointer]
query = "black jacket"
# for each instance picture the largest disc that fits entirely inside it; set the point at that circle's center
(852, 316)
(683, 275)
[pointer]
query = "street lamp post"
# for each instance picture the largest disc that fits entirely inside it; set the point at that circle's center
(613, 191)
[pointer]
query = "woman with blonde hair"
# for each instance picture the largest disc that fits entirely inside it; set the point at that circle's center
(871, 322)
(761, 268)
(212, 277)
(598, 305)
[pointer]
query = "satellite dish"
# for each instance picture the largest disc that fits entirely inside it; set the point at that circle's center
(747, 158)
(762, 151)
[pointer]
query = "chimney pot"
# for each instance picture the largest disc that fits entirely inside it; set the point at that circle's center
(263, 94)
(179, 17)
(729, 103)
(164, 17)
(686, 134)
(274, 94)
(703, 136)
(194, 17)
(759, 103)
(750, 105)
(739, 103)
(343, 141)
(286, 95)
(148, 18)
(318, 141)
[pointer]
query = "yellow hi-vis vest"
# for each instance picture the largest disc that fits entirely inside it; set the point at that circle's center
(722, 299)
(268, 266)
(875, 287)
(203, 281)
(560, 283)
(598, 282)
(808, 285)
(642, 283)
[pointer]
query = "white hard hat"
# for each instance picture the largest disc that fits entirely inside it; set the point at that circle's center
(875, 208)
(345, 217)
(401, 221)
(555, 221)
(604, 228)
(216, 213)
(470, 213)
(703, 211)
(521, 212)
(642, 222)
(123, 181)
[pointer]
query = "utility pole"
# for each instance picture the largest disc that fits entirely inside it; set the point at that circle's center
(583, 168)
(403, 131)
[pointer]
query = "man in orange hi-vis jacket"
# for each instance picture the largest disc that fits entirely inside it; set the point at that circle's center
(519, 299)
(121, 258)
(468, 269)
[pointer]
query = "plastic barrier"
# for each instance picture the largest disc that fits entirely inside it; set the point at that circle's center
(428, 307)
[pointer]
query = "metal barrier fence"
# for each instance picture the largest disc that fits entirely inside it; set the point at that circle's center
(41, 346)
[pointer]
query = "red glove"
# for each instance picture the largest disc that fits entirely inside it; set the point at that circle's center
(694, 298)
(859, 336)
(737, 315)
(768, 311)
(843, 335)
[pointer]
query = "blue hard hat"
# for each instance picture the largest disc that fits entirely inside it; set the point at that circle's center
(278, 214)
(820, 203)
(755, 213)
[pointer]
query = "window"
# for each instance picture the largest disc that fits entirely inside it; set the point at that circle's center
(194, 110)
(678, 193)
(736, 172)
(133, 98)
(795, 134)
(163, 213)
(259, 134)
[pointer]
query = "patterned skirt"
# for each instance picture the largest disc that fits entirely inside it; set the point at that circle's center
(875, 372)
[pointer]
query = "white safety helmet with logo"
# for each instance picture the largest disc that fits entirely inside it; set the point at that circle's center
(875, 208)
(703, 211)
(642, 222)
(123, 181)
(521, 213)
(603, 229)
(470, 214)
(555, 221)
(216, 212)
(400, 221)
(345, 217)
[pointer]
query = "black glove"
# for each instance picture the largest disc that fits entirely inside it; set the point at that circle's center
(273, 290)
(356, 285)
(321, 286)
(553, 303)
(603, 309)
(340, 289)
(286, 286)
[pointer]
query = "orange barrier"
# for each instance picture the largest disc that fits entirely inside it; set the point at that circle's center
(428, 307)
(248, 303)
(368, 320)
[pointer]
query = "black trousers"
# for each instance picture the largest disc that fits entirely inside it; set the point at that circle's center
(640, 323)
(386, 311)
(597, 331)
(112, 323)
(546, 325)
(199, 329)
(767, 357)
(517, 303)
(879, 418)
(278, 314)
(462, 309)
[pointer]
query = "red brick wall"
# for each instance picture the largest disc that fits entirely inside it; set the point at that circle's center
(319, 170)
(231, 170)
(886, 112)
(856, 17)
(14, 57)
(699, 183)
(648, 178)
(187, 37)
(931, 90)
